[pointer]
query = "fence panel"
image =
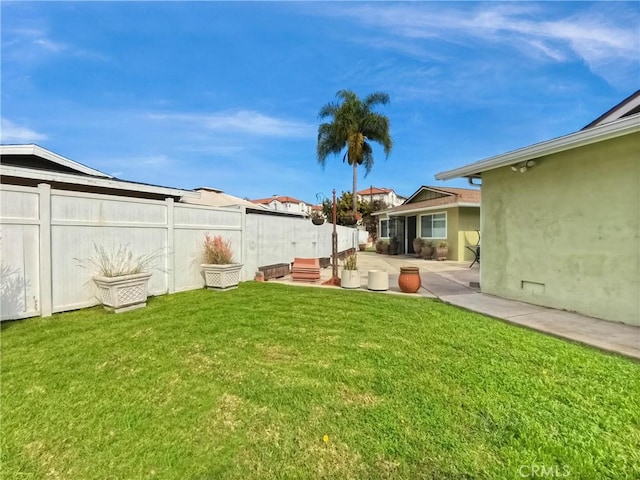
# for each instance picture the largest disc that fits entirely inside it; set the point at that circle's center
(277, 239)
(191, 223)
(19, 253)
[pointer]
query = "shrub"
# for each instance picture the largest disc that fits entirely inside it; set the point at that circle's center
(217, 250)
(118, 261)
(350, 263)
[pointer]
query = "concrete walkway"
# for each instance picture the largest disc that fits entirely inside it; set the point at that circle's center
(455, 283)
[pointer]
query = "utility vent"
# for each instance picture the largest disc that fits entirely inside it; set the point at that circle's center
(535, 288)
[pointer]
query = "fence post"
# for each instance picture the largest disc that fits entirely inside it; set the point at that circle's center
(44, 231)
(170, 266)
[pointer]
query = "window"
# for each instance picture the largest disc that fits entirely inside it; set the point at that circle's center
(433, 226)
(384, 228)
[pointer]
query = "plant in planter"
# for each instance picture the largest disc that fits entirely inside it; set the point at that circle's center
(122, 277)
(427, 250)
(317, 217)
(442, 250)
(350, 275)
(417, 246)
(220, 273)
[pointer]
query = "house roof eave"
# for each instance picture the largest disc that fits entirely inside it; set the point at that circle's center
(608, 131)
(445, 206)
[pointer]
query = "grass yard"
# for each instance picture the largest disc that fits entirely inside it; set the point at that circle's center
(275, 381)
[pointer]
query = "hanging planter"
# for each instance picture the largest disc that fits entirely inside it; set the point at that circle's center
(350, 218)
(409, 280)
(317, 220)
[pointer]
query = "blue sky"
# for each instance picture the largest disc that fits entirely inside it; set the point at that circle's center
(226, 95)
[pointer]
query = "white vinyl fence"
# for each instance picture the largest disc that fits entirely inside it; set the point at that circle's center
(45, 233)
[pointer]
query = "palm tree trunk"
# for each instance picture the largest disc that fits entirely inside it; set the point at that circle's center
(355, 185)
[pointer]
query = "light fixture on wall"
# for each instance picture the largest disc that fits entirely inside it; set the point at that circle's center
(522, 166)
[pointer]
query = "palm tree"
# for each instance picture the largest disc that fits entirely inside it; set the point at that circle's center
(354, 124)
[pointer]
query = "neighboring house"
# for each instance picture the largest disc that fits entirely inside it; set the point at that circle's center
(387, 195)
(561, 221)
(285, 204)
(435, 214)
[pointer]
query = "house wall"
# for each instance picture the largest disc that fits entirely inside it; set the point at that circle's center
(453, 220)
(467, 234)
(45, 233)
(566, 233)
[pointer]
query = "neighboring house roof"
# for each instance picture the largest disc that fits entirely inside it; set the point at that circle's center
(375, 191)
(284, 199)
(440, 198)
(32, 164)
(36, 157)
(599, 133)
(215, 197)
(629, 106)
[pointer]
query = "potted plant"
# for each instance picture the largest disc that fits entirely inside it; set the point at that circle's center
(350, 275)
(317, 217)
(417, 246)
(382, 246)
(220, 272)
(427, 250)
(442, 250)
(122, 277)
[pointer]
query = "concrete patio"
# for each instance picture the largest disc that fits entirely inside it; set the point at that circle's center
(457, 284)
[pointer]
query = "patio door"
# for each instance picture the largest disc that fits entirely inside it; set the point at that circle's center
(411, 233)
(396, 229)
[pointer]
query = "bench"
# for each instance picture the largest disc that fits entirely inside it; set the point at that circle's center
(276, 270)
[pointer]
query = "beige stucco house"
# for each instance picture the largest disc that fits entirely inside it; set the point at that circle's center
(561, 219)
(435, 214)
(382, 194)
(286, 204)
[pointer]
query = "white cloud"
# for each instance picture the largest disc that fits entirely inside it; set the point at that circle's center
(603, 36)
(50, 45)
(12, 133)
(35, 45)
(243, 121)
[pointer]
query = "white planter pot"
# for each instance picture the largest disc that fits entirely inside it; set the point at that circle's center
(350, 279)
(123, 293)
(378, 280)
(221, 277)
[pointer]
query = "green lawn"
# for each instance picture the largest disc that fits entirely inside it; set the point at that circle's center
(247, 383)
